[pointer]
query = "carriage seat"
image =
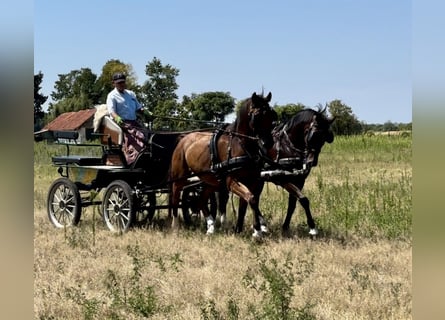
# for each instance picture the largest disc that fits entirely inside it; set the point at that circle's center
(111, 133)
(112, 136)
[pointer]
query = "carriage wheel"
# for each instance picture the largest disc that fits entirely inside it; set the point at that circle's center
(146, 208)
(64, 204)
(118, 206)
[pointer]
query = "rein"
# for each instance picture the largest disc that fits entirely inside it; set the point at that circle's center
(234, 133)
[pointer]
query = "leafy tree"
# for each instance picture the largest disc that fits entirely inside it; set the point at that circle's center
(104, 83)
(74, 91)
(165, 113)
(160, 87)
(39, 100)
(406, 126)
(210, 106)
(390, 126)
(287, 111)
(346, 122)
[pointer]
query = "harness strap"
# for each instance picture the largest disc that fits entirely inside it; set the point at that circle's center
(231, 164)
(213, 146)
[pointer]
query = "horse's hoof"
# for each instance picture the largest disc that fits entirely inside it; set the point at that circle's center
(264, 229)
(210, 229)
(257, 234)
(313, 232)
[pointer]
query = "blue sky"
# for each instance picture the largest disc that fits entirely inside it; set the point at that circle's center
(309, 52)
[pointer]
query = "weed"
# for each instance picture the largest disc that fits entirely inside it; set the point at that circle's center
(90, 307)
(276, 286)
(209, 312)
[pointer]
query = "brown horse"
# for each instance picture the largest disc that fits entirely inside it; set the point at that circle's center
(297, 145)
(227, 157)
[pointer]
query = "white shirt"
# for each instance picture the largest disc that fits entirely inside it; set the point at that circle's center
(124, 104)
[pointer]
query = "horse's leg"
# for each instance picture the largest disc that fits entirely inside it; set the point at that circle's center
(258, 188)
(294, 194)
(203, 201)
(242, 208)
(175, 195)
(244, 193)
(222, 199)
(291, 204)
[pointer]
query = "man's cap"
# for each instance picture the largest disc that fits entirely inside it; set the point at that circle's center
(119, 77)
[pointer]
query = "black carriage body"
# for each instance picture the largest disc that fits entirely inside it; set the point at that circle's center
(149, 171)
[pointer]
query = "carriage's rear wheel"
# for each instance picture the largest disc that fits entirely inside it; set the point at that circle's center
(64, 204)
(118, 208)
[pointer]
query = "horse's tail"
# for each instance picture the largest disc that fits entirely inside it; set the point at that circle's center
(178, 171)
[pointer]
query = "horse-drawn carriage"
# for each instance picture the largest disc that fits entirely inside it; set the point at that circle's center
(188, 167)
(130, 191)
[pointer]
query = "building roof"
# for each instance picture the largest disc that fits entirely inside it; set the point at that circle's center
(70, 120)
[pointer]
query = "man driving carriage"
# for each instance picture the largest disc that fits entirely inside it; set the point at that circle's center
(123, 107)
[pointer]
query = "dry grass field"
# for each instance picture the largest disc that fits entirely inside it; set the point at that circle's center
(359, 267)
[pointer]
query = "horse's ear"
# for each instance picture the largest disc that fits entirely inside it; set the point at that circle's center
(269, 97)
(254, 96)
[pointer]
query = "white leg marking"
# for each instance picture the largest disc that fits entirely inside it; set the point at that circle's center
(313, 232)
(257, 233)
(264, 228)
(210, 225)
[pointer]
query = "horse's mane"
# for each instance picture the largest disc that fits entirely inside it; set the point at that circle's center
(242, 109)
(302, 116)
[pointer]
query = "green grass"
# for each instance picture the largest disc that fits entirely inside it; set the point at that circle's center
(361, 188)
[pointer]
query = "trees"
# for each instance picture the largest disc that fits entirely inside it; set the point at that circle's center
(74, 91)
(211, 106)
(160, 86)
(346, 122)
(201, 110)
(287, 111)
(39, 100)
(157, 93)
(81, 89)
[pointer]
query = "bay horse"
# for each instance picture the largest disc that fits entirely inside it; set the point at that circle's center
(297, 145)
(227, 157)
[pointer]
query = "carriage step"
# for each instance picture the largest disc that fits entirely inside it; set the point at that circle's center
(79, 160)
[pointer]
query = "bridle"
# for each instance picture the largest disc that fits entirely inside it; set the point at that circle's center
(291, 146)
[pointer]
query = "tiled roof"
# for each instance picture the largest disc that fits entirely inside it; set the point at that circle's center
(71, 120)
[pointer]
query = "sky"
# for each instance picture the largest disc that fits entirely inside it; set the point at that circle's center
(309, 52)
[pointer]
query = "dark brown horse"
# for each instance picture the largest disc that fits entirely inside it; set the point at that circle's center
(297, 145)
(228, 157)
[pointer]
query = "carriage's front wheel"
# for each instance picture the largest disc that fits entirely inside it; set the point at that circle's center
(64, 204)
(118, 206)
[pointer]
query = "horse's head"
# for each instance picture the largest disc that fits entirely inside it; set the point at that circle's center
(307, 132)
(261, 117)
(317, 132)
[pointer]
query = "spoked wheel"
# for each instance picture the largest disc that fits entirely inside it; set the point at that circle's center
(146, 208)
(64, 204)
(118, 206)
